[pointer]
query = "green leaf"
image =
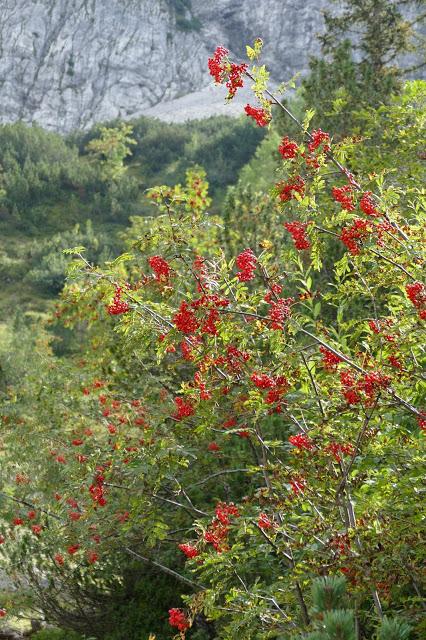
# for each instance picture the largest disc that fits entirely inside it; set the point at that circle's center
(73, 251)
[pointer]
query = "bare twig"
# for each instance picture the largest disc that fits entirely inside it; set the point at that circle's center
(194, 585)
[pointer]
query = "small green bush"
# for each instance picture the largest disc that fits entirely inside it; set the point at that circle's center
(57, 634)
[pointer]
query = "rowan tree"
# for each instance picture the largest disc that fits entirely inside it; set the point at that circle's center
(249, 423)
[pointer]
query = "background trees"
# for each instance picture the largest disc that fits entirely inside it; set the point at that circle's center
(363, 47)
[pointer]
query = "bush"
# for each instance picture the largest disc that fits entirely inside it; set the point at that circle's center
(51, 633)
(37, 166)
(49, 264)
(234, 420)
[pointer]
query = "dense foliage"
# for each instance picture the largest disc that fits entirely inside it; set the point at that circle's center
(48, 181)
(56, 192)
(237, 427)
(364, 47)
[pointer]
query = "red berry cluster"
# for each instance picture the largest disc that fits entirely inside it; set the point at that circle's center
(330, 360)
(280, 308)
(369, 385)
(217, 66)
(277, 386)
(416, 293)
(259, 115)
(232, 422)
(201, 385)
(394, 362)
(372, 382)
(344, 195)
(355, 235)
(59, 559)
(160, 267)
(301, 441)
(97, 490)
(211, 303)
(118, 305)
(298, 233)
(235, 358)
(208, 301)
(189, 550)
(279, 311)
(185, 319)
(288, 149)
(220, 68)
(35, 528)
(178, 619)
(374, 326)
(218, 531)
(209, 325)
(92, 557)
(235, 80)
(186, 349)
(73, 548)
(336, 449)
(188, 346)
(264, 522)
(297, 485)
(312, 161)
(349, 389)
(287, 190)
(246, 262)
(367, 205)
(275, 290)
(379, 326)
(319, 137)
(225, 511)
(262, 381)
(184, 409)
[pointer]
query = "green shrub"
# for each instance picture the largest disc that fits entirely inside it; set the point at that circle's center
(57, 634)
(393, 629)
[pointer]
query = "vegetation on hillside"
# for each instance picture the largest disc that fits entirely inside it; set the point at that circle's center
(59, 192)
(215, 429)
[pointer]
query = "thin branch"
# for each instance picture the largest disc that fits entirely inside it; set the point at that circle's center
(196, 586)
(274, 546)
(314, 385)
(395, 264)
(31, 505)
(289, 558)
(355, 366)
(334, 351)
(357, 449)
(218, 473)
(182, 506)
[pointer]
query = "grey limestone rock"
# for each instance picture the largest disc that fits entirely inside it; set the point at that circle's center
(66, 64)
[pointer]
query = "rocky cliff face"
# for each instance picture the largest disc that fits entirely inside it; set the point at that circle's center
(68, 63)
